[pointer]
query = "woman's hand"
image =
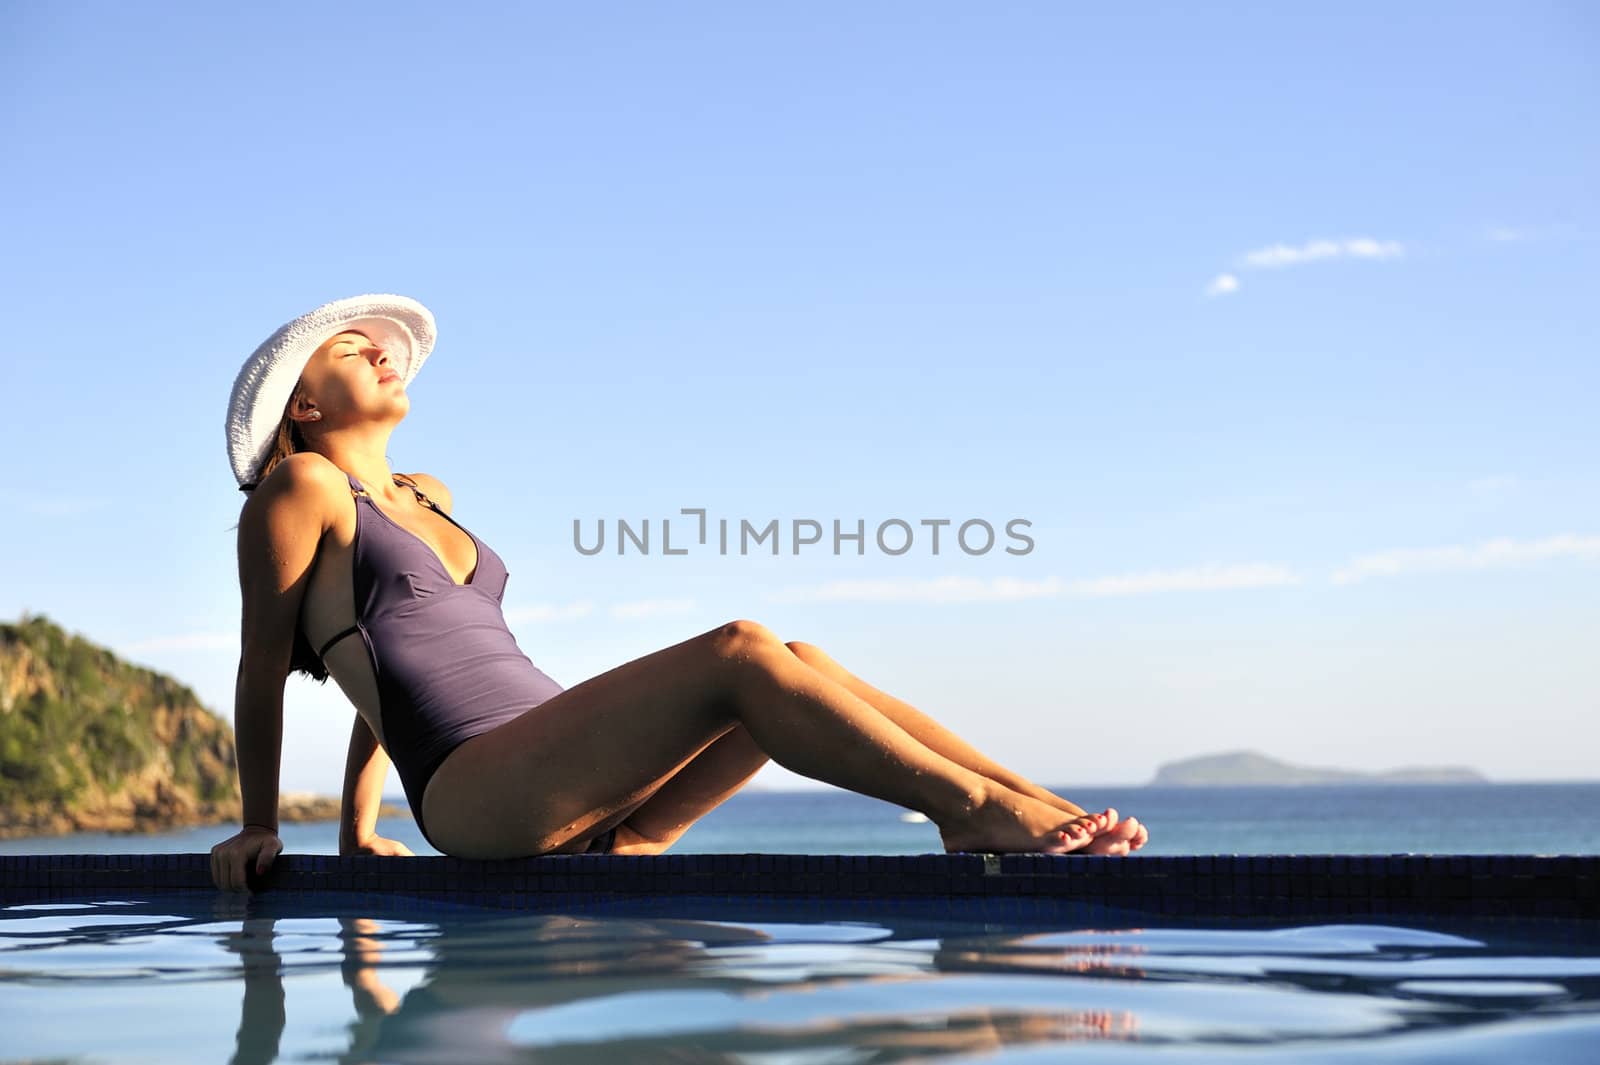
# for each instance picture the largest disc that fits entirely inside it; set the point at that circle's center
(377, 845)
(232, 858)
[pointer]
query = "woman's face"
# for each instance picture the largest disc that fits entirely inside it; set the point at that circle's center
(348, 375)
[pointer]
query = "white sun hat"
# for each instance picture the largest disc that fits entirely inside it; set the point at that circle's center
(401, 326)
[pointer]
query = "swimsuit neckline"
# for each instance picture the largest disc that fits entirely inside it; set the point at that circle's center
(477, 545)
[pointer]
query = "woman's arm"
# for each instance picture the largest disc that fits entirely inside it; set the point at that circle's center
(280, 529)
(258, 741)
(365, 770)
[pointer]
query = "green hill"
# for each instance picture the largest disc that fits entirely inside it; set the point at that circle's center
(91, 743)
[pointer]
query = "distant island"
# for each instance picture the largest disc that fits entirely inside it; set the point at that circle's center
(1243, 768)
(89, 743)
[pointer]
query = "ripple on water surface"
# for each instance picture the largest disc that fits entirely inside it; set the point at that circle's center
(179, 980)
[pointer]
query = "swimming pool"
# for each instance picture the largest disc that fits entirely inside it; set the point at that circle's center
(799, 958)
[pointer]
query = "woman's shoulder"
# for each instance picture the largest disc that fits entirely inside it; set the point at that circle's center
(433, 488)
(283, 522)
(304, 477)
(305, 469)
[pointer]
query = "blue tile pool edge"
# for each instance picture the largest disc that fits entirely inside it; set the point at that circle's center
(1313, 886)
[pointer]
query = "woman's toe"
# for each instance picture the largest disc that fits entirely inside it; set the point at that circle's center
(1118, 839)
(1074, 837)
(1107, 845)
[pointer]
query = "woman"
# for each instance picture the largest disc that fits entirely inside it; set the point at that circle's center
(403, 607)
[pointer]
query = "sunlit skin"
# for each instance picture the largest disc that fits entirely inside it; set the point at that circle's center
(353, 388)
(647, 748)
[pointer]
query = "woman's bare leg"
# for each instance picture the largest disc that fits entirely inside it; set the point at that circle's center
(690, 791)
(718, 772)
(602, 747)
(926, 729)
(936, 737)
(708, 781)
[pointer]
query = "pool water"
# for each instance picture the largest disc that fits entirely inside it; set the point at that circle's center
(257, 979)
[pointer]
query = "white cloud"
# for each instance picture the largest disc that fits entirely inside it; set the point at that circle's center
(229, 641)
(1523, 234)
(647, 608)
(1499, 553)
(1006, 589)
(193, 641)
(549, 611)
(1206, 578)
(927, 590)
(1222, 285)
(1278, 256)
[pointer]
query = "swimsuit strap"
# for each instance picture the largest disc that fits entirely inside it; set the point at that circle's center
(358, 489)
(420, 494)
(341, 635)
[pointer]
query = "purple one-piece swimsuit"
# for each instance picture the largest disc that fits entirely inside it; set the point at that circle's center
(447, 667)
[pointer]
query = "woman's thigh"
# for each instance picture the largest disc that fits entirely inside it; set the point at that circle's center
(588, 755)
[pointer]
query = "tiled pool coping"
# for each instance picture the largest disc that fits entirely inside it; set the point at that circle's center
(1338, 886)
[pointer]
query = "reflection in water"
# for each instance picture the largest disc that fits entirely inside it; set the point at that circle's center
(262, 1015)
(610, 989)
(482, 986)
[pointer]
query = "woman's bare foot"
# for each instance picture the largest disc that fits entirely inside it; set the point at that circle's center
(1006, 822)
(1134, 841)
(1121, 837)
(1128, 837)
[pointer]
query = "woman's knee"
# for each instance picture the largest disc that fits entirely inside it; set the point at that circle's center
(808, 653)
(749, 658)
(742, 639)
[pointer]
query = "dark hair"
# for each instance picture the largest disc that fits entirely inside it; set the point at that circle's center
(288, 440)
(303, 660)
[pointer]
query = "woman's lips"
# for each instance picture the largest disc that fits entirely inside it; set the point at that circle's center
(390, 376)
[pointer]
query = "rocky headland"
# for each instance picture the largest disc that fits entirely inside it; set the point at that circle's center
(89, 743)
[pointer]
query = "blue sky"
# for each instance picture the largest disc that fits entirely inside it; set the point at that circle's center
(1278, 325)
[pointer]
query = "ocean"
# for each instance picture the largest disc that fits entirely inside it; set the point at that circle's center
(1543, 818)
